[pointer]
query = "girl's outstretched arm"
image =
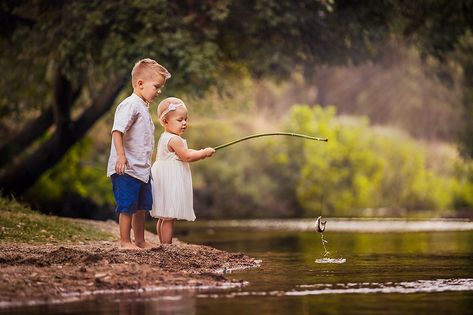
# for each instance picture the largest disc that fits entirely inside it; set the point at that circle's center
(188, 155)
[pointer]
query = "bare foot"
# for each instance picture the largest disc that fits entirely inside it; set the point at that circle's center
(145, 245)
(128, 245)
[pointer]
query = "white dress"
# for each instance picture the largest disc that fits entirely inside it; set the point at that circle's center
(172, 183)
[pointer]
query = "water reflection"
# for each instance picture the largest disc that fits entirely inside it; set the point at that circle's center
(162, 305)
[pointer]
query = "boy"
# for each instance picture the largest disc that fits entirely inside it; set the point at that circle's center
(131, 150)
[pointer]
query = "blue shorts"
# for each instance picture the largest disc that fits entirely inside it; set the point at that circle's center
(131, 194)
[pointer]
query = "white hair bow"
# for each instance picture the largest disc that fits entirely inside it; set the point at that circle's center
(171, 107)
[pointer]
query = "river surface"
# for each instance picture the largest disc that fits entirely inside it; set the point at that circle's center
(419, 267)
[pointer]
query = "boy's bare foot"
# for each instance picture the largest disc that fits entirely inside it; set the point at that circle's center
(128, 245)
(144, 245)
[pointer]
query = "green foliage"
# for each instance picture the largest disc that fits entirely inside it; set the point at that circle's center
(77, 172)
(443, 30)
(365, 167)
(20, 224)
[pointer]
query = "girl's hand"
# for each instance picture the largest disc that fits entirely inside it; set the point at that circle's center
(209, 152)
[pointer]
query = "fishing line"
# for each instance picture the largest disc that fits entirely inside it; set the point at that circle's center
(319, 224)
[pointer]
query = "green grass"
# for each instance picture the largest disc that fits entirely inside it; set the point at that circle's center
(20, 224)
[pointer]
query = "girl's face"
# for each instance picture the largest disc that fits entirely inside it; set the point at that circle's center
(176, 121)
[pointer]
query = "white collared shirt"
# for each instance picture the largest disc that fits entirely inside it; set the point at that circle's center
(132, 118)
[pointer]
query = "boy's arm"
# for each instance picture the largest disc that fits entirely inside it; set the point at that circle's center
(189, 155)
(122, 162)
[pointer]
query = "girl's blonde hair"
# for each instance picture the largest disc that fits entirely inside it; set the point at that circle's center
(168, 105)
(144, 68)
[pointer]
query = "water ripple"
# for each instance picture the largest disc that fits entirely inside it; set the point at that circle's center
(418, 286)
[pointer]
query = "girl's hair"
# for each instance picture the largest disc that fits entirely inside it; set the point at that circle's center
(168, 105)
(147, 67)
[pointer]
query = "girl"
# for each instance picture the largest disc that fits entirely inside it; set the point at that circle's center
(172, 180)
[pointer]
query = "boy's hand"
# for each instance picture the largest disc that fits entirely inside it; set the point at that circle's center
(209, 152)
(121, 165)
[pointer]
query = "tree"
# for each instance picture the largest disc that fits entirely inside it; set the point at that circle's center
(65, 62)
(443, 30)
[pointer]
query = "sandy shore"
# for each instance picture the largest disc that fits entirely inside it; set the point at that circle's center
(54, 273)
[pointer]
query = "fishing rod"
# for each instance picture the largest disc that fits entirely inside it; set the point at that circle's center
(269, 134)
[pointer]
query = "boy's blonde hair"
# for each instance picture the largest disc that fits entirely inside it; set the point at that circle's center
(144, 68)
(164, 107)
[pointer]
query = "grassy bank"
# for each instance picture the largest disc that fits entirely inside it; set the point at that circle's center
(21, 224)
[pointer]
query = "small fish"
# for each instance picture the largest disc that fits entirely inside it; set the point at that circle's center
(320, 225)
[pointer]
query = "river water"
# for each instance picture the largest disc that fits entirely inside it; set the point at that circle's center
(384, 267)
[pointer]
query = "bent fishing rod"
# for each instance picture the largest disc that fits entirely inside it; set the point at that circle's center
(269, 134)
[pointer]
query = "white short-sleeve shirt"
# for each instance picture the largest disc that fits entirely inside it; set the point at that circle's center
(132, 118)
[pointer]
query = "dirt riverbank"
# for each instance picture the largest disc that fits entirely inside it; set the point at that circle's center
(35, 274)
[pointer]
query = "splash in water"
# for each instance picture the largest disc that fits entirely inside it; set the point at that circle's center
(326, 259)
(320, 227)
(323, 244)
(330, 260)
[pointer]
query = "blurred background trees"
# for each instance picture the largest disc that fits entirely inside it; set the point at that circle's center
(397, 74)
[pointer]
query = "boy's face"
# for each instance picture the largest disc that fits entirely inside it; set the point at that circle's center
(150, 87)
(176, 121)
